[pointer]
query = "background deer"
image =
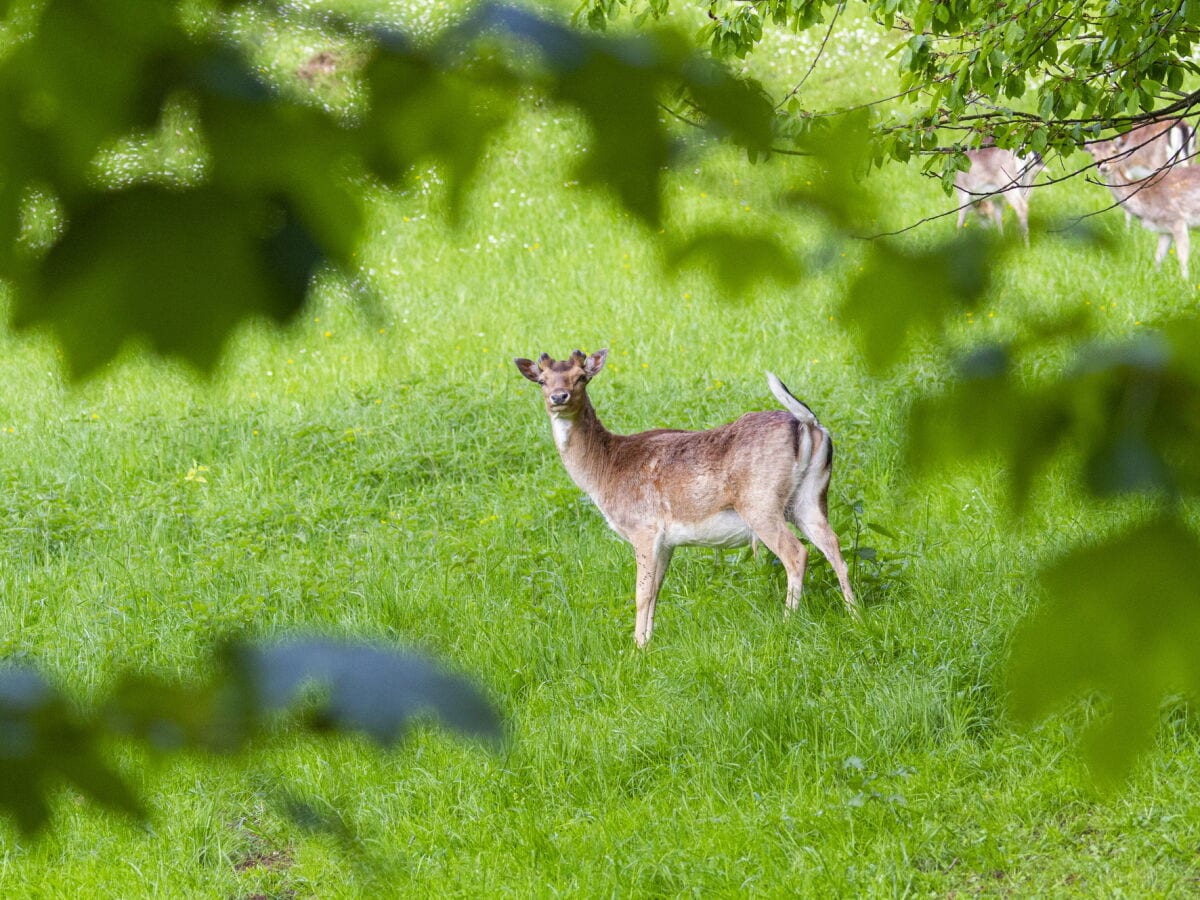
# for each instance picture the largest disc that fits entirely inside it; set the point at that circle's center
(719, 488)
(997, 172)
(1163, 195)
(1151, 147)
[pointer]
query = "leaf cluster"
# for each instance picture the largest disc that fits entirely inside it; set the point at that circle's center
(1032, 75)
(180, 263)
(1121, 612)
(327, 687)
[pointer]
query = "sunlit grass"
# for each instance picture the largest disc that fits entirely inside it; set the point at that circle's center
(383, 471)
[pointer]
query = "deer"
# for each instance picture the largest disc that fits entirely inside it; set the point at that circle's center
(724, 487)
(1170, 142)
(1164, 196)
(993, 171)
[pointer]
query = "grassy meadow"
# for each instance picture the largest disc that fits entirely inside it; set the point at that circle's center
(382, 471)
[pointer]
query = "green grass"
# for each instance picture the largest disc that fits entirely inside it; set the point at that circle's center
(385, 472)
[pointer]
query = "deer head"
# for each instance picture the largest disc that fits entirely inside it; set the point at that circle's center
(563, 383)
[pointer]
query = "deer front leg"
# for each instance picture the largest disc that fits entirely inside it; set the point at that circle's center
(652, 561)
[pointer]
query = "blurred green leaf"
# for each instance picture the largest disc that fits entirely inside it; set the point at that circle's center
(179, 269)
(281, 184)
(903, 293)
(733, 107)
(629, 148)
(1131, 409)
(360, 687)
(1136, 405)
(421, 113)
(986, 412)
(262, 150)
(738, 261)
(841, 159)
(1122, 617)
(215, 715)
(66, 93)
(45, 745)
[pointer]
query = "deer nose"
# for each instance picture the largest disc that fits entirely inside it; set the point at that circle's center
(558, 398)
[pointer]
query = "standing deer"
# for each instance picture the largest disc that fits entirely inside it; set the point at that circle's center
(1164, 196)
(1171, 142)
(996, 171)
(719, 488)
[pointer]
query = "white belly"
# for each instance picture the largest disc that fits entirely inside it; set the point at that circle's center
(725, 529)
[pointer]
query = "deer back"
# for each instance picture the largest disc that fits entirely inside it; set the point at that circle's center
(692, 474)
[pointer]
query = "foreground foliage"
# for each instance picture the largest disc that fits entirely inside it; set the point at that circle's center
(1111, 429)
(277, 184)
(349, 687)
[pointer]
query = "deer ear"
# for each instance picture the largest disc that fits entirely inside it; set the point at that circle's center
(528, 368)
(594, 363)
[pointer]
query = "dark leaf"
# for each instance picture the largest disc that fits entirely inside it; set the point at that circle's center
(988, 414)
(738, 261)
(735, 108)
(169, 716)
(1126, 463)
(1122, 617)
(297, 160)
(75, 93)
(629, 146)
(841, 158)
(45, 745)
(180, 269)
(370, 689)
(903, 293)
(420, 113)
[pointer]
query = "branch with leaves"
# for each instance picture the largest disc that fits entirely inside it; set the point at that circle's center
(1092, 66)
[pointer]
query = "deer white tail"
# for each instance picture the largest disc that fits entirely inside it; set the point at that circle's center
(790, 403)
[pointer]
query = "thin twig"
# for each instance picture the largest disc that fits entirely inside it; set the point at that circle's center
(816, 58)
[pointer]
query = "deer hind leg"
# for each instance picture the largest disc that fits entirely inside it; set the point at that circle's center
(809, 511)
(1160, 253)
(1182, 247)
(964, 206)
(992, 208)
(772, 530)
(1020, 205)
(653, 557)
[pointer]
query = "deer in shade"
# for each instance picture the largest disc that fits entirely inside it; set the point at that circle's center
(1146, 178)
(1148, 148)
(724, 487)
(995, 172)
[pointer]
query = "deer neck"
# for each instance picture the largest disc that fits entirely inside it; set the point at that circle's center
(583, 443)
